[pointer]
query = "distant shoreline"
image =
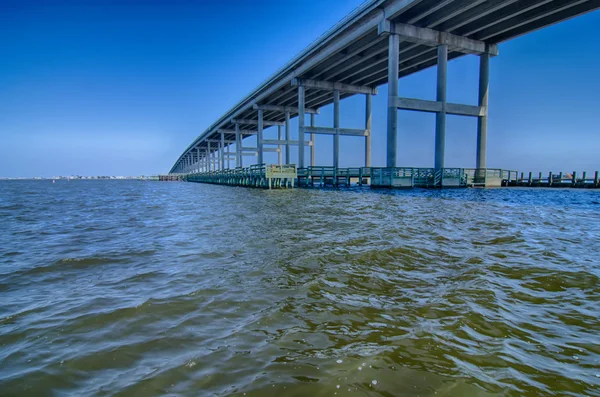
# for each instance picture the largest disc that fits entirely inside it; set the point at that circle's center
(84, 178)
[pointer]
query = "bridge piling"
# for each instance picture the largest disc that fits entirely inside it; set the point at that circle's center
(336, 126)
(301, 115)
(259, 136)
(280, 146)
(287, 138)
(482, 120)
(368, 127)
(440, 117)
(392, 111)
(312, 140)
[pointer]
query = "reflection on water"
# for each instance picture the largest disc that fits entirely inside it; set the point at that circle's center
(148, 289)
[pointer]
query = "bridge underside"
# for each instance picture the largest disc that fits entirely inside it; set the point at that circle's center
(377, 44)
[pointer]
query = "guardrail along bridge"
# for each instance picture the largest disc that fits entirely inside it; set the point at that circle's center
(378, 43)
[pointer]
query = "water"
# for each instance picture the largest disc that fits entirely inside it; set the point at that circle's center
(131, 288)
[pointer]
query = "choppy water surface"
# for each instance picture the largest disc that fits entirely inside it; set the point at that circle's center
(148, 289)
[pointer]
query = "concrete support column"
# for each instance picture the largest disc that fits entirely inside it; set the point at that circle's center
(368, 127)
(280, 153)
(300, 126)
(208, 157)
(228, 156)
(392, 111)
(198, 158)
(238, 146)
(440, 117)
(222, 151)
(312, 140)
(484, 84)
(287, 137)
(336, 126)
(259, 137)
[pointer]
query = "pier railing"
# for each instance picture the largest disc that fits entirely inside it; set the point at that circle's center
(562, 179)
(268, 176)
(332, 176)
(258, 175)
(445, 177)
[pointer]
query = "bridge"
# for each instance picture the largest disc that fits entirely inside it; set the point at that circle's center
(378, 43)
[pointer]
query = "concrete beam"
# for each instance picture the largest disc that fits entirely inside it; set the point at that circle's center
(334, 86)
(284, 109)
(255, 122)
(332, 131)
(422, 105)
(284, 142)
(419, 105)
(219, 141)
(466, 110)
(244, 132)
(255, 150)
(415, 34)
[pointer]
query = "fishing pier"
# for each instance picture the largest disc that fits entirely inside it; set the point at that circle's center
(287, 176)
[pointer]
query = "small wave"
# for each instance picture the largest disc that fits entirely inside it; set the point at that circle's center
(504, 240)
(72, 264)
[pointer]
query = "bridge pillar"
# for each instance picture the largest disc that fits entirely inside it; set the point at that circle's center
(222, 151)
(208, 156)
(228, 157)
(368, 126)
(440, 117)
(336, 126)
(300, 126)
(259, 137)
(484, 83)
(312, 141)
(280, 146)
(287, 137)
(392, 111)
(198, 164)
(238, 146)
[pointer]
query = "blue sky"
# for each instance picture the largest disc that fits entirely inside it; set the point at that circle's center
(122, 87)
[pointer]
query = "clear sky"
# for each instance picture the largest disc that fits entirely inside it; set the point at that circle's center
(123, 87)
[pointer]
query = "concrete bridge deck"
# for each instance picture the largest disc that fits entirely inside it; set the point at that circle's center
(378, 43)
